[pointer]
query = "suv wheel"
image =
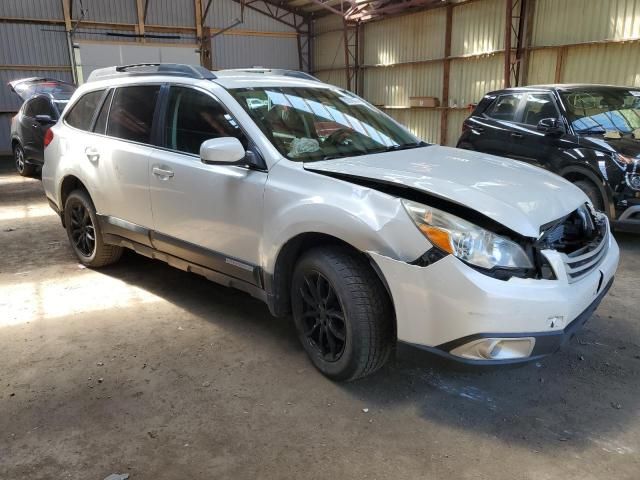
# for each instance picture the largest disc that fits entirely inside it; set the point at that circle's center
(84, 232)
(592, 192)
(342, 313)
(22, 167)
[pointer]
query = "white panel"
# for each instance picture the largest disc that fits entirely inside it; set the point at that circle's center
(234, 51)
(329, 50)
(423, 123)
(542, 67)
(94, 55)
(333, 77)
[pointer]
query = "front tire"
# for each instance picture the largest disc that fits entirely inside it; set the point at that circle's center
(342, 313)
(22, 167)
(591, 191)
(84, 232)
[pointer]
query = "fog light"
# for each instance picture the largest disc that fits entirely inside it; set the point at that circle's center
(496, 348)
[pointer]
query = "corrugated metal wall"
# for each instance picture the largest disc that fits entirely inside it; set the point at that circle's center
(597, 41)
(40, 47)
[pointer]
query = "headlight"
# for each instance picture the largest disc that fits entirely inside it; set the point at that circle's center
(465, 240)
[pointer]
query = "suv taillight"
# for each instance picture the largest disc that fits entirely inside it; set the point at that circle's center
(48, 137)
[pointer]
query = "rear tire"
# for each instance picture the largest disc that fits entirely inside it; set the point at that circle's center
(342, 313)
(22, 167)
(592, 191)
(84, 232)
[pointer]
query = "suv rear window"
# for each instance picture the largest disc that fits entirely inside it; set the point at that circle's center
(131, 114)
(82, 112)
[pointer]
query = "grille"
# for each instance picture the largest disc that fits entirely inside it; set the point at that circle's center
(582, 261)
(582, 241)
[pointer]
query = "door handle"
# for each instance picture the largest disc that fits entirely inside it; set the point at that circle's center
(516, 135)
(162, 172)
(92, 154)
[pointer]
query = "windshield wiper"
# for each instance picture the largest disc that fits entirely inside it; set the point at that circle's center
(406, 146)
(594, 129)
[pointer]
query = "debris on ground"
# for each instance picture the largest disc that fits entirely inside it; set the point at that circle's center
(616, 405)
(100, 364)
(118, 476)
(365, 410)
(100, 380)
(9, 229)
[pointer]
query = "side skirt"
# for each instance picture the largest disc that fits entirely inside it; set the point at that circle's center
(141, 240)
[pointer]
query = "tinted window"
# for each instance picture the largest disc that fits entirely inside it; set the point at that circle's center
(193, 117)
(42, 106)
(82, 112)
(131, 113)
(505, 106)
(538, 106)
(28, 108)
(599, 109)
(101, 121)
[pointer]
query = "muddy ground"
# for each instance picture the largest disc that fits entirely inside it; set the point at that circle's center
(142, 369)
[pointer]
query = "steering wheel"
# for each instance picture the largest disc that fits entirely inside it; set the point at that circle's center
(340, 136)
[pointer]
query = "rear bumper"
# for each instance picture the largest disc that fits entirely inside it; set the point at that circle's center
(450, 307)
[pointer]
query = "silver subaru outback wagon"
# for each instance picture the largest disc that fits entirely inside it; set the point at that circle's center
(307, 197)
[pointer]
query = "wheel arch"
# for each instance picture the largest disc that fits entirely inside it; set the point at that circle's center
(278, 284)
(69, 184)
(574, 173)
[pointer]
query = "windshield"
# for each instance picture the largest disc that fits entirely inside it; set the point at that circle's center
(599, 110)
(307, 124)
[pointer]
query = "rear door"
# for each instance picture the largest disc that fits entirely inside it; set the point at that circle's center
(28, 124)
(493, 131)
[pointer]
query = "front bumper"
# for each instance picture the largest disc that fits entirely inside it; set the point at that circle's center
(449, 304)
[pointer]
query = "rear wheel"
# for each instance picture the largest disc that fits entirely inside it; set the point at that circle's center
(342, 313)
(22, 167)
(84, 232)
(592, 191)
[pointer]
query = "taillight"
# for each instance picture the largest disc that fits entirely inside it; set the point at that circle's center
(48, 137)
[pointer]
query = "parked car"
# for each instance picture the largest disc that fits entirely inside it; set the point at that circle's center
(44, 100)
(364, 233)
(588, 134)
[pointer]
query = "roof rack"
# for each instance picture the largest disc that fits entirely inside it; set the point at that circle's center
(141, 69)
(275, 71)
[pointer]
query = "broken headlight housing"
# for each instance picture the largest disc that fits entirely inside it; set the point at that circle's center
(468, 242)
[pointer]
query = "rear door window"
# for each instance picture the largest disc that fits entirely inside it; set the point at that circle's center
(131, 113)
(101, 121)
(505, 107)
(538, 107)
(81, 114)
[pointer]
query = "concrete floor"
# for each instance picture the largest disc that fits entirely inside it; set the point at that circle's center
(144, 369)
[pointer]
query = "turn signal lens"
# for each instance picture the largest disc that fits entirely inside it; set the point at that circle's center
(48, 137)
(438, 237)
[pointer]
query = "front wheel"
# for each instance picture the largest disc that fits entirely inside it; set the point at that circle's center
(84, 232)
(342, 313)
(22, 167)
(593, 192)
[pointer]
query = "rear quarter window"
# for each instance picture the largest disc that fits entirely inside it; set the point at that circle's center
(81, 114)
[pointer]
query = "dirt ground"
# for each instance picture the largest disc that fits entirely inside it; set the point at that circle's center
(147, 370)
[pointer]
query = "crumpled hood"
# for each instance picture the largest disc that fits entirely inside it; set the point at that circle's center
(519, 196)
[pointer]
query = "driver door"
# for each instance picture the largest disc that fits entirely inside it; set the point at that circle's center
(208, 214)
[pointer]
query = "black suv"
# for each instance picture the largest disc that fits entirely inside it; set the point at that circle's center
(588, 134)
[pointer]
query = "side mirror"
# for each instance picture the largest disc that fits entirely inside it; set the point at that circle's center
(549, 126)
(45, 120)
(222, 151)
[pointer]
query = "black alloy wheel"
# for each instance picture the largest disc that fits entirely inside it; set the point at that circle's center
(323, 317)
(83, 233)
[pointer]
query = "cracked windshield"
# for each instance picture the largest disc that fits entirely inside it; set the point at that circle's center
(308, 124)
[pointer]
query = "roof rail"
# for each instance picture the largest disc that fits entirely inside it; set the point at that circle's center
(141, 69)
(275, 71)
